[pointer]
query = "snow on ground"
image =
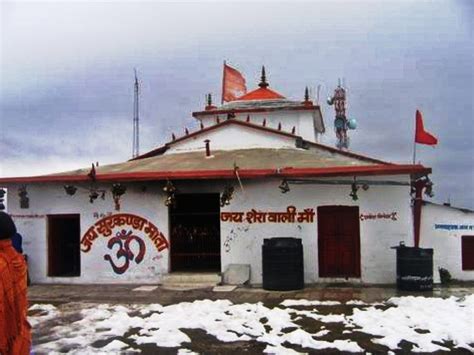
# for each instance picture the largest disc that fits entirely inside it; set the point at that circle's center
(436, 318)
(419, 320)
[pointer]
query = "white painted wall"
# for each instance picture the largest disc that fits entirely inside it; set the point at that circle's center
(51, 199)
(233, 137)
(378, 261)
(240, 242)
(303, 121)
(446, 243)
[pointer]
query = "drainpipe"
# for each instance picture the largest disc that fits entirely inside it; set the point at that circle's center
(417, 205)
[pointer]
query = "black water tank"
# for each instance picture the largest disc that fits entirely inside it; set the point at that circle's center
(414, 268)
(282, 264)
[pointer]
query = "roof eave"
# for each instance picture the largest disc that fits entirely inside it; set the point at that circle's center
(370, 170)
(221, 111)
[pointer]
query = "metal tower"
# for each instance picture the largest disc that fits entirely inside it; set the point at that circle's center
(136, 119)
(341, 123)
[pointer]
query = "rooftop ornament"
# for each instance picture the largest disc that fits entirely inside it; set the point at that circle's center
(92, 173)
(307, 101)
(209, 105)
(263, 80)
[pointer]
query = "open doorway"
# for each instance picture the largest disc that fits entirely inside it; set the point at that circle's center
(195, 233)
(64, 245)
(339, 241)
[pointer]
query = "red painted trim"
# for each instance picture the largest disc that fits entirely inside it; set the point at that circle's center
(250, 110)
(229, 174)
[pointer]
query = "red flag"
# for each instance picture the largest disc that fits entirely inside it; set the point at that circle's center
(421, 136)
(233, 84)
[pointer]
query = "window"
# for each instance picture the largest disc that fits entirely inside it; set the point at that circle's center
(467, 250)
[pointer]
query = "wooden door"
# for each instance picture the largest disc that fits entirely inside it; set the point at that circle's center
(338, 241)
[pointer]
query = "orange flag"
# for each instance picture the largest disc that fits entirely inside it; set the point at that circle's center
(422, 136)
(233, 84)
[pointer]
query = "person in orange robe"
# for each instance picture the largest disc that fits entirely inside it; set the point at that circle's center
(15, 335)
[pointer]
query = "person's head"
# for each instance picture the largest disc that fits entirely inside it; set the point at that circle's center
(7, 226)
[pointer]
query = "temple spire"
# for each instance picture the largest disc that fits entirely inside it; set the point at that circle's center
(263, 80)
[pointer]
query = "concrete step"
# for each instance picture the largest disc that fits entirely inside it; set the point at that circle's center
(191, 278)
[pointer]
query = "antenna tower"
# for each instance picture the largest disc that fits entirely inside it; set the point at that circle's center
(341, 123)
(136, 119)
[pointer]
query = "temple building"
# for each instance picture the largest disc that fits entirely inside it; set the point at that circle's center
(253, 169)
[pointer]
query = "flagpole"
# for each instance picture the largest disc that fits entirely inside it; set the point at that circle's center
(414, 145)
(223, 83)
(414, 151)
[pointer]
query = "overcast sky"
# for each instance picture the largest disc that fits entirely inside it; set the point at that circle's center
(66, 89)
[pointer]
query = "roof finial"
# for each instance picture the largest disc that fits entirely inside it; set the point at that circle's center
(209, 105)
(263, 79)
(307, 101)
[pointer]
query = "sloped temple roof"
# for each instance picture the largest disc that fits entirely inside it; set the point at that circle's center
(302, 159)
(316, 160)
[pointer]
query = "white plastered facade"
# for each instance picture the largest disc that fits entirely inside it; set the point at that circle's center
(240, 242)
(442, 228)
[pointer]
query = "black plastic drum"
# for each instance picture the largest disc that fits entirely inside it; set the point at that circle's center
(414, 268)
(282, 264)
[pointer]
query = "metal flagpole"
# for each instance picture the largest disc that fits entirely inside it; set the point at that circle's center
(223, 84)
(414, 145)
(414, 150)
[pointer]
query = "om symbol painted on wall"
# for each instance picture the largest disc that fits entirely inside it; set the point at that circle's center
(123, 239)
(126, 234)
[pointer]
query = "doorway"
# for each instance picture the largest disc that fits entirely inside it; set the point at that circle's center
(195, 233)
(64, 245)
(339, 241)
